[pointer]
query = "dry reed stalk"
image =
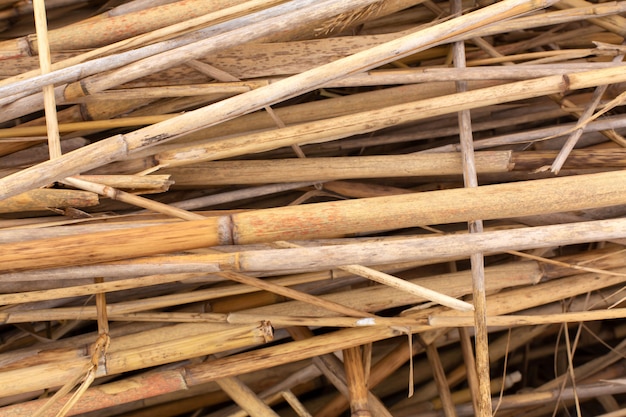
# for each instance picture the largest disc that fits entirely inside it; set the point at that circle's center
(498, 349)
(613, 23)
(382, 369)
(224, 35)
(340, 127)
(446, 206)
(328, 169)
(572, 139)
(400, 284)
(507, 301)
(195, 234)
(501, 303)
(520, 400)
(346, 337)
(83, 68)
(333, 369)
(212, 91)
(105, 31)
(133, 199)
(302, 13)
(45, 199)
(526, 320)
(538, 134)
(138, 357)
(144, 386)
(41, 26)
(295, 404)
(546, 18)
(118, 146)
(38, 153)
(488, 202)
(470, 365)
(237, 195)
(440, 379)
(89, 289)
(245, 397)
(273, 393)
(356, 381)
(425, 75)
(136, 183)
(309, 111)
(477, 262)
(532, 160)
(291, 293)
(457, 284)
(278, 321)
(164, 239)
(89, 125)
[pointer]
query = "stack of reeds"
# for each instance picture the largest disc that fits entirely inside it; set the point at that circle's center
(312, 208)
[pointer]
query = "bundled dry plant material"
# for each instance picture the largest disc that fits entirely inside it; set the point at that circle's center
(312, 208)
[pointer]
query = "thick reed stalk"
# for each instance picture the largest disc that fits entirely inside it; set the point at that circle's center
(357, 384)
(44, 199)
(328, 169)
(495, 201)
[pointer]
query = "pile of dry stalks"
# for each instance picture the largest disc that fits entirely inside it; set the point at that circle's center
(312, 207)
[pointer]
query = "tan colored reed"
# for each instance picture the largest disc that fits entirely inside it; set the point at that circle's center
(116, 147)
(45, 199)
(328, 169)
